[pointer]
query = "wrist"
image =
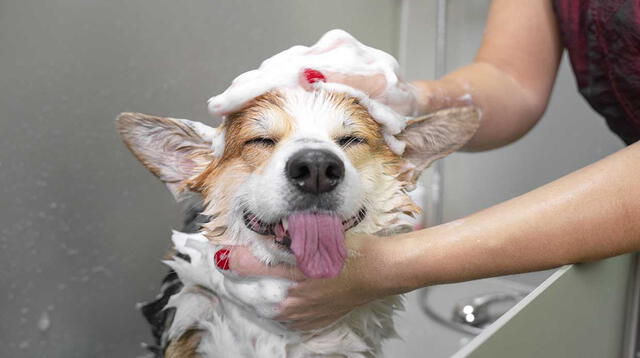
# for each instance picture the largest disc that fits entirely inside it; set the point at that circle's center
(370, 269)
(423, 258)
(393, 274)
(423, 94)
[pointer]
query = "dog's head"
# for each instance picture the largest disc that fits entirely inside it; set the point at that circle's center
(299, 169)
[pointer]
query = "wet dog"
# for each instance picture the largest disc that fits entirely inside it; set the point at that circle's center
(300, 172)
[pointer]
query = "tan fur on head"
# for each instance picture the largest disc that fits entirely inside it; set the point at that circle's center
(178, 152)
(242, 126)
(374, 160)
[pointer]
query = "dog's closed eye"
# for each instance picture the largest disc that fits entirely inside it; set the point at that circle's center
(263, 141)
(348, 141)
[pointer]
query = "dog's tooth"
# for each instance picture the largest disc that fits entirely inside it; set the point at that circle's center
(285, 224)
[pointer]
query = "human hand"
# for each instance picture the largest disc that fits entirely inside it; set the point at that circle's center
(404, 98)
(313, 304)
(410, 98)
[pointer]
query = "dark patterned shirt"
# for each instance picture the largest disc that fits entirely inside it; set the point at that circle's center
(602, 38)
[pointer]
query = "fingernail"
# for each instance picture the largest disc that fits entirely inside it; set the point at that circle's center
(313, 76)
(221, 258)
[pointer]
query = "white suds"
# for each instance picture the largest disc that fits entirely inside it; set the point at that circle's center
(337, 52)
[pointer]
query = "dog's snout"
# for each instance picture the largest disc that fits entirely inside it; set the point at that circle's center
(315, 171)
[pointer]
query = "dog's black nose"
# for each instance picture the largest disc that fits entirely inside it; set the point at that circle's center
(315, 171)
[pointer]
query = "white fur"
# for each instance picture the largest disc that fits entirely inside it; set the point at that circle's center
(238, 323)
(315, 117)
(265, 194)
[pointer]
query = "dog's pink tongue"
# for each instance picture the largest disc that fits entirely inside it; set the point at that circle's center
(317, 241)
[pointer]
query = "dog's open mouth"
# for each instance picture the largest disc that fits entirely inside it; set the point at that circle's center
(315, 238)
(252, 222)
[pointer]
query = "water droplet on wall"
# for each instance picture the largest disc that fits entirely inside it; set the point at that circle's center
(44, 322)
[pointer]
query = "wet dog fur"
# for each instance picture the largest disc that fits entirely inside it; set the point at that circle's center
(248, 176)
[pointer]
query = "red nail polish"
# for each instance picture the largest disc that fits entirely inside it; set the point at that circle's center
(313, 76)
(221, 259)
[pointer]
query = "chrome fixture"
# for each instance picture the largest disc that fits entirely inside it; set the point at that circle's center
(472, 315)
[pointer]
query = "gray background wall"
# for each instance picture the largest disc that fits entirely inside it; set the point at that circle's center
(83, 225)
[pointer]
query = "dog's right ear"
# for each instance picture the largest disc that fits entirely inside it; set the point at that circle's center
(173, 149)
(436, 135)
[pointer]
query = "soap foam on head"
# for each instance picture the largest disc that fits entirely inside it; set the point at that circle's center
(336, 52)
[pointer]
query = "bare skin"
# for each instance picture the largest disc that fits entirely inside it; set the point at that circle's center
(587, 215)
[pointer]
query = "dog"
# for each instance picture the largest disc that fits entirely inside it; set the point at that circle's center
(292, 159)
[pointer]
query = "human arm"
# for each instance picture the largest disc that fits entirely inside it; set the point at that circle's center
(511, 77)
(587, 215)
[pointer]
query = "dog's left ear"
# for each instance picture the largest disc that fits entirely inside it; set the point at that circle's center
(174, 150)
(437, 135)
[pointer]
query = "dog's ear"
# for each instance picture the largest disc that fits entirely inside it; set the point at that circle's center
(172, 149)
(437, 135)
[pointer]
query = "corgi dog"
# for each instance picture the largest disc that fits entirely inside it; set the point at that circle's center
(300, 172)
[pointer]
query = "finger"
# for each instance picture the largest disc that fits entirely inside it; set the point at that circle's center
(373, 85)
(316, 291)
(310, 325)
(292, 308)
(297, 309)
(242, 262)
(295, 317)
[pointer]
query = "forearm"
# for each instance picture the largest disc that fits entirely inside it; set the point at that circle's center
(511, 77)
(508, 110)
(590, 214)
